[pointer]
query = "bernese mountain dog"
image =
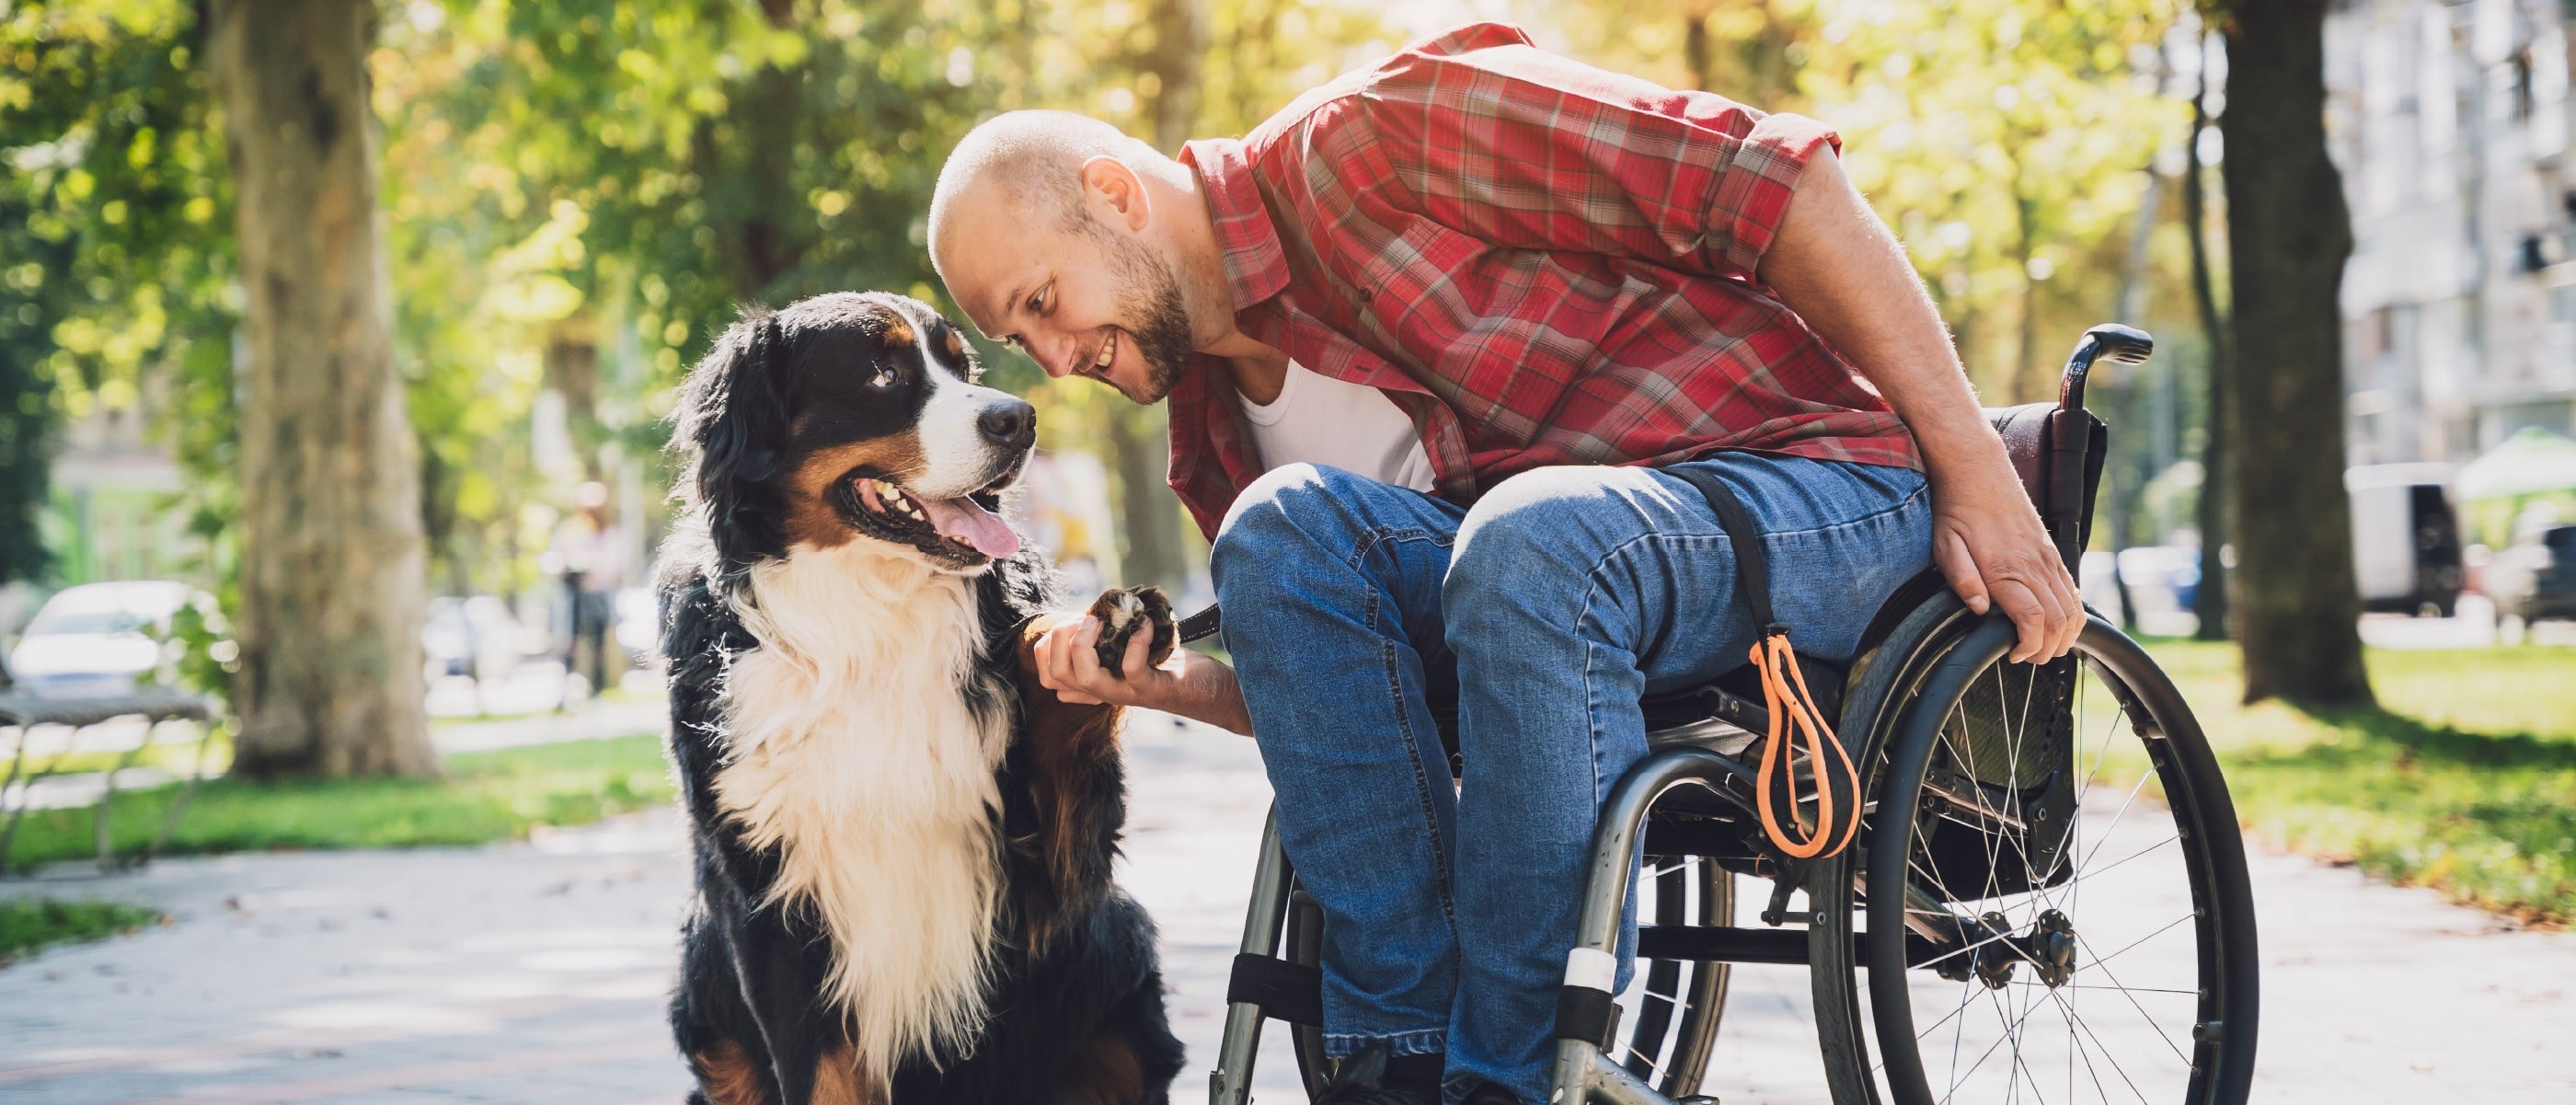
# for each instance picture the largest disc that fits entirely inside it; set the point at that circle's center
(903, 841)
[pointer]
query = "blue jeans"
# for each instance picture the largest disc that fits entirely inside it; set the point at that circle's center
(1362, 617)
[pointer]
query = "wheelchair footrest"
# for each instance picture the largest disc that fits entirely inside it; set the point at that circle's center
(1285, 991)
(1721, 944)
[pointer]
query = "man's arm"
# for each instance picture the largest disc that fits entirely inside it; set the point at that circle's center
(1836, 265)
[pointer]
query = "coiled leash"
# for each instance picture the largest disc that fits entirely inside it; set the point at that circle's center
(1784, 697)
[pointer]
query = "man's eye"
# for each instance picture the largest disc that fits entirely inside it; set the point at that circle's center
(1037, 302)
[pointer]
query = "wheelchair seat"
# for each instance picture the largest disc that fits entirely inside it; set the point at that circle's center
(1726, 714)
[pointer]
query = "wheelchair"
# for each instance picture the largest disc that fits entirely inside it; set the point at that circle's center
(2045, 897)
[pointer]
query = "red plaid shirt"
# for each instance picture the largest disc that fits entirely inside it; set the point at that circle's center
(1540, 262)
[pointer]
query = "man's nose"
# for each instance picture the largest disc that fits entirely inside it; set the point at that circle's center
(1011, 424)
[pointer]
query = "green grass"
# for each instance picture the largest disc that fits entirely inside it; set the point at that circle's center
(28, 924)
(2463, 779)
(482, 797)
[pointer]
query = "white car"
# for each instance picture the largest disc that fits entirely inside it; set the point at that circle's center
(102, 638)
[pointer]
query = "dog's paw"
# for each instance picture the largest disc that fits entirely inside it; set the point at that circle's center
(1123, 613)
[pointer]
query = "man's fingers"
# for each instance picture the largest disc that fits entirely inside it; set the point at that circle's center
(1141, 642)
(1950, 551)
(2030, 617)
(2070, 606)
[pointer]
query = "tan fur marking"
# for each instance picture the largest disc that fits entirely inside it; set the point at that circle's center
(956, 345)
(811, 520)
(839, 1081)
(1107, 1074)
(727, 1076)
(898, 332)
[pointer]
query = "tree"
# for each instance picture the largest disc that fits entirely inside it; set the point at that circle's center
(2209, 602)
(113, 259)
(332, 557)
(2288, 234)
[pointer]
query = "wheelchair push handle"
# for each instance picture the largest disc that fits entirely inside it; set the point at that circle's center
(2122, 344)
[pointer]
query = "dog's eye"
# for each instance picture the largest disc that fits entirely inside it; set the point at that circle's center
(883, 377)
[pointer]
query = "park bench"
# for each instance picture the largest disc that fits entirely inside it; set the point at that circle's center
(26, 712)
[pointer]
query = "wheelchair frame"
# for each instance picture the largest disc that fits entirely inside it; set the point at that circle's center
(2060, 456)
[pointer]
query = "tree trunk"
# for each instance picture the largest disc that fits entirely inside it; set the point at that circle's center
(1149, 525)
(2288, 235)
(332, 557)
(2209, 602)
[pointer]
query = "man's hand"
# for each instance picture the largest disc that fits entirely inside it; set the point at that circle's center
(1990, 545)
(1186, 683)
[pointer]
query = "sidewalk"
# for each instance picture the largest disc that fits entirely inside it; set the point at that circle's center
(535, 973)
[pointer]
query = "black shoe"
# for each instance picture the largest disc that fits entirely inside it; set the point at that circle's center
(1366, 1079)
(1487, 1093)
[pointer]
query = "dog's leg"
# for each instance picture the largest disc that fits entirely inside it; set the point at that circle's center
(777, 970)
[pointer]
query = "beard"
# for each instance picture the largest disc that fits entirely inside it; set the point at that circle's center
(1159, 323)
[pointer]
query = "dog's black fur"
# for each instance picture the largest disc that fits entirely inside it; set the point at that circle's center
(1075, 995)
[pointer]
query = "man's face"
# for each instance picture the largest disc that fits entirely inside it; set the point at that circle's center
(1088, 299)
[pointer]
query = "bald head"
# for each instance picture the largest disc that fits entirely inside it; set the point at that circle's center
(1024, 165)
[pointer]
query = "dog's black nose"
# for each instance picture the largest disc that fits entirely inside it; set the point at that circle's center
(1013, 424)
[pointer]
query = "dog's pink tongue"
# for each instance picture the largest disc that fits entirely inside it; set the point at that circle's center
(961, 518)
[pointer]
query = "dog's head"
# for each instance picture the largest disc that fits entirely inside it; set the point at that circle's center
(849, 417)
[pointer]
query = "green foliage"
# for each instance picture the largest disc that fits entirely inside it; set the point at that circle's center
(115, 244)
(30, 924)
(483, 797)
(2007, 141)
(2465, 780)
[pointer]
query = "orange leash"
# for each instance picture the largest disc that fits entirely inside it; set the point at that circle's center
(1785, 695)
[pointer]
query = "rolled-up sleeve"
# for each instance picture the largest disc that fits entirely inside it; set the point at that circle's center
(1492, 137)
(1754, 189)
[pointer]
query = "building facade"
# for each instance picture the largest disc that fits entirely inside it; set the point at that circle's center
(2452, 127)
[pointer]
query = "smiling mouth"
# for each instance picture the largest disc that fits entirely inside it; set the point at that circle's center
(968, 528)
(1098, 369)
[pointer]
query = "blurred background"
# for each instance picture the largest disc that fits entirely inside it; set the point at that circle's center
(573, 197)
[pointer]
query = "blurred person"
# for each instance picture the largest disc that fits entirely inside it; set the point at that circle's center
(593, 569)
(1432, 337)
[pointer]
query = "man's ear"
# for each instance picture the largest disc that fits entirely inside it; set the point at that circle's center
(1108, 182)
(733, 422)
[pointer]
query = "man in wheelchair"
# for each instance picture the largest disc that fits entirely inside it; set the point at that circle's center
(1437, 340)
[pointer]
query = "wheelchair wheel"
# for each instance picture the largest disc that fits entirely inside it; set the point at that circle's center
(1668, 1014)
(2055, 898)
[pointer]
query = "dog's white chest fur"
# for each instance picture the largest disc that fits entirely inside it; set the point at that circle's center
(853, 748)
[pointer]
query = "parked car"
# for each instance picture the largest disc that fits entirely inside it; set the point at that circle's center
(475, 637)
(2405, 538)
(2535, 578)
(102, 638)
(2161, 578)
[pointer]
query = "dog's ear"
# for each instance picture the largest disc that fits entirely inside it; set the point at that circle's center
(732, 423)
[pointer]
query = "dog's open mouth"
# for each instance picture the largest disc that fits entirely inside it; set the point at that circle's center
(968, 527)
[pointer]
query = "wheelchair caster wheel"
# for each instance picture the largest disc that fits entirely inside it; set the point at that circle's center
(1697, 1099)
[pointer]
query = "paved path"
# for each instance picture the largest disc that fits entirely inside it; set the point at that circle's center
(535, 973)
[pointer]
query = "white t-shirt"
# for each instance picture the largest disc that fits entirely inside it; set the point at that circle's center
(1354, 427)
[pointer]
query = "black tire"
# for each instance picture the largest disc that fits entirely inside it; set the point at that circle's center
(1924, 620)
(1669, 1012)
(2003, 934)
